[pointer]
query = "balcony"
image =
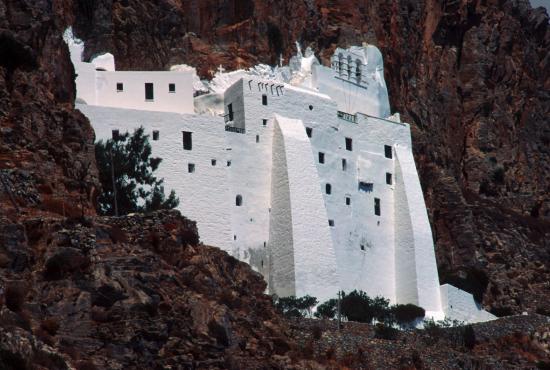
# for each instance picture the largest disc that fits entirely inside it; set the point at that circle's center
(347, 117)
(234, 129)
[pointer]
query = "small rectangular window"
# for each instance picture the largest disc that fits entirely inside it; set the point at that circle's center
(344, 164)
(171, 88)
(348, 144)
(115, 134)
(257, 138)
(119, 87)
(377, 206)
(190, 167)
(388, 151)
(264, 99)
(362, 247)
(149, 91)
(328, 189)
(228, 163)
(187, 140)
(321, 157)
(264, 122)
(213, 161)
(366, 186)
(348, 201)
(309, 130)
(330, 222)
(230, 111)
(155, 135)
(388, 178)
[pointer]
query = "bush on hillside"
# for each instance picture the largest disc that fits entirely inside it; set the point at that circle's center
(327, 310)
(295, 306)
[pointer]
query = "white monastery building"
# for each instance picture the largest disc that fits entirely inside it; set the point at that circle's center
(299, 171)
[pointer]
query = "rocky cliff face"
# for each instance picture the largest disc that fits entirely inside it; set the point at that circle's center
(472, 78)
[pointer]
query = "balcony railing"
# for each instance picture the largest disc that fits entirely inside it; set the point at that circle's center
(237, 130)
(228, 117)
(347, 117)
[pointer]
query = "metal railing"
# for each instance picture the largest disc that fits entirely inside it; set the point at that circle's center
(237, 130)
(347, 117)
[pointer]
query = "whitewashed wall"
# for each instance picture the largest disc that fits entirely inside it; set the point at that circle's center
(302, 204)
(203, 194)
(460, 305)
(416, 266)
(133, 95)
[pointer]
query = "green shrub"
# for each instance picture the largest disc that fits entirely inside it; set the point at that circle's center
(327, 310)
(295, 306)
(358, 306)
(405, 314)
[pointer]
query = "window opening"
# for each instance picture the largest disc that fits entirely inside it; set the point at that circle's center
(362, 247)
(190, 167)
(311, 107)
(155, 135)
(377, 206)
(264, 99)
(213, 161)
(328, 189)
(388, 178)
(228, 163)
(340, 63)
(321, 157)
(309, 130)
(344, 164)
(187, 140)
(172, 88)
(348, 201)
(149, 91)
(358, 70)
(239, 200)
(230, 111)
(257, 138)
(349, 67)
(388, 151)
(348, 144)
(119, 87)
(264, 122)
(330, 222)
(366, 186)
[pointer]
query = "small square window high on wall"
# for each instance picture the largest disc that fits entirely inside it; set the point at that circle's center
(171, 88)
(264, 122)
(155, 135)
(388, 151)
(388, 178)
(119, 87)
(264, 99)
(190, 167)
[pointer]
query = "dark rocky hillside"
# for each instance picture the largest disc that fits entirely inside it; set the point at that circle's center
(472, 78)
(78, 291)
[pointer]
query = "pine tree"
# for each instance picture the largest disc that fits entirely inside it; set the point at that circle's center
(126, 160)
